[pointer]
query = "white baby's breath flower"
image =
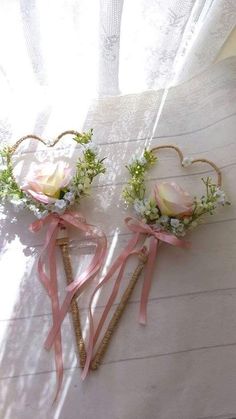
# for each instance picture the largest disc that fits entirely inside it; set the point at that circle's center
(60, 204)
(220, 195)
(92, 147)
(37, 213)
(42, 214)
(187, 161)
(80, 187)
(163, 219)
(180, 228)
(72, 188)
(69, 196)
(17, 204)
(139, 206)
(174, 222)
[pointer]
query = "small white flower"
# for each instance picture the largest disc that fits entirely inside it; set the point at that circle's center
(37, 213)
(17, 204)
(32, 207)
(42, 214)
(221, 198)
(72, 188)
(187, 161)
(174, 222)
(69, 196)
(80, 186)
(139, 206)
(164, 219)
(180, 228)
(92, 147)
(60, 204)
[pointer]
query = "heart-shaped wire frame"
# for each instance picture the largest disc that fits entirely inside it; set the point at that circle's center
(35, 137)
(181, 157)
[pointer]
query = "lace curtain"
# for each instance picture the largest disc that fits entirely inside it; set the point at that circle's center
(56, 55)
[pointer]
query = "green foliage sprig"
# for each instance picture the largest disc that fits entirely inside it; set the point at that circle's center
(135, 188)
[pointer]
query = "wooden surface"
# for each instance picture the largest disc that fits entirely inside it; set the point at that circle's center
(182, 365)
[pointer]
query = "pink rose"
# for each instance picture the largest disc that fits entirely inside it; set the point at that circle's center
(46, 181)
(172, 200)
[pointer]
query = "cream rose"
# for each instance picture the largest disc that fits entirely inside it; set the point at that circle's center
(172, 200)
(46, 181)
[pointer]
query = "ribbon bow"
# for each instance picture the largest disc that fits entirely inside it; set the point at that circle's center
(48, 254)
(156, 236)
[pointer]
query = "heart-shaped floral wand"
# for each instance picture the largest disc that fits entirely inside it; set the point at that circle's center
(166, 215)
(49, 191)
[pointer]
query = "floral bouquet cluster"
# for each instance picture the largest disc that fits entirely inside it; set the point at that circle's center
(170, 208)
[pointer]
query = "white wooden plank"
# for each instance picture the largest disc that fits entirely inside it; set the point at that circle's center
(174, 325)
(197, 384)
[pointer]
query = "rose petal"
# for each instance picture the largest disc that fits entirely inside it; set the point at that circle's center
(41, 197)
(33, 186)
(160, 204)
(177, 209)
(173, 200)
(174, 193)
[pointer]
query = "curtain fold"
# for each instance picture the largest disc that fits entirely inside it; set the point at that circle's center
(56, 56)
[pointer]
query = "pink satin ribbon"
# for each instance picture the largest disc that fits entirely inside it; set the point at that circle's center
(55, 223)
(156, 236)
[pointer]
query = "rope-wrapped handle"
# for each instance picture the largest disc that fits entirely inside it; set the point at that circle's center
(103, 346)
(74, 309)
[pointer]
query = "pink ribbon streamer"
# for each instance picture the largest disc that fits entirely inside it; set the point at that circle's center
(156, 236)
(56, 222)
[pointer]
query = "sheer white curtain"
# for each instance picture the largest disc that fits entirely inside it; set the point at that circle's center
(56, 55)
